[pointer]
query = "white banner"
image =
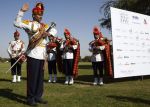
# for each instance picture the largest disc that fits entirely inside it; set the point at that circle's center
(131, 43)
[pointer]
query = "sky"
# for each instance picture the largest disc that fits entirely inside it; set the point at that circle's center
(79, 16)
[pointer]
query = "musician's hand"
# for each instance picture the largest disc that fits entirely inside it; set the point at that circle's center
(45, 34)
(70, 47)
(19, 50)
(14, 52)
(48, 51)
(97, 47)
(95, 51)
(102, 47)
(65, 49)
(25, 7)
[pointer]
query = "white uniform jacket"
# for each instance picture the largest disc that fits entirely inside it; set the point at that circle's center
(52, 54)
(32, 28)
(67, 54)
(97, 57)
(15, 48)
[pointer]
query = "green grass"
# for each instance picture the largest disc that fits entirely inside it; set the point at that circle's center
(128, 92)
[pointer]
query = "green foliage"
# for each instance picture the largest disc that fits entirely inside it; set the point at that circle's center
(86, 59)
(4, 59)
(139, 6)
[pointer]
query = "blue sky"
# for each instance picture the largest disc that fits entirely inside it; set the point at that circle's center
(79, 16)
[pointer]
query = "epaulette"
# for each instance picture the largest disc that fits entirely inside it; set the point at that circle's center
(26, 22)
(46, 26)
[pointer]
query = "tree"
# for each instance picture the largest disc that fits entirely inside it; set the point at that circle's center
(139, 6)
(86, 59)
(4, 59)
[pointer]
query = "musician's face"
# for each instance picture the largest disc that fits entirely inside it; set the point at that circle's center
(16, 37)
(96, 36)
(37, 18)
(67, 36)
(51, 37)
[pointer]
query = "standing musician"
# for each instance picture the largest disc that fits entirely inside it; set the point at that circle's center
(52, 49)
(98, 48)
(15, 49)
(71, 52)
(36, 51)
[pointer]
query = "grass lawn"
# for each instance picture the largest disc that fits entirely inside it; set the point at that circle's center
(126, 92)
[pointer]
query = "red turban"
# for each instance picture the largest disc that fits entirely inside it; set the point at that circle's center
(97, 32)
(38, 9)
(66, 31)
(16, 33)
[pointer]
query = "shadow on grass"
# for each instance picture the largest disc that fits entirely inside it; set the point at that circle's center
(110, 80)
(81, 79)
(84, 79)
(24, 78)
(8, 93)
(88, 79)
(59, 80)
(3, 79)
(85, 66)
(130, 99)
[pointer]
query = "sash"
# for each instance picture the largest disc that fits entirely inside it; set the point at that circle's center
(37, 39)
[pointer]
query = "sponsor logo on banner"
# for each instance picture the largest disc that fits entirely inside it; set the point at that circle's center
(145, 21)
(146, 33)
(119, 50)
(135, 20)
(148, 50)
(141, 32)
(126, 64)
(133, 63)
(143, 44)
(126, 43)
(130, 30)
(124, 18)
(137, 37)
(126, 56)
(119, 57)
(117, 29)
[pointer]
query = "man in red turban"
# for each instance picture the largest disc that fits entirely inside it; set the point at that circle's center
(96, 47)
(71, 52)
(100, 48)
(15, 49)
(36, 51)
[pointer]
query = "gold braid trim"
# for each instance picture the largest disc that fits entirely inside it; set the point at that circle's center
(37, 39)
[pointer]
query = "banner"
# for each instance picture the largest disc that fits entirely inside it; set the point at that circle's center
(131, 43)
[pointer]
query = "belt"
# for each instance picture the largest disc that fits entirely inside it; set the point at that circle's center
(42, 45)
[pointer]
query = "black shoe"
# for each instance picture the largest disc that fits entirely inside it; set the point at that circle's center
(32, 104)
(41, 101)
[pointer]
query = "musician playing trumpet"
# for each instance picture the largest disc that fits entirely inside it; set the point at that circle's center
(15, 49)
(97, 47)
